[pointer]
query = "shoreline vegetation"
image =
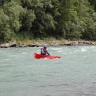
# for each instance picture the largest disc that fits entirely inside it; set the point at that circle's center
(48, 42)
(55, 22)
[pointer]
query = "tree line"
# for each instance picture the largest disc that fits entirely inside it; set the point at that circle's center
(68, 19)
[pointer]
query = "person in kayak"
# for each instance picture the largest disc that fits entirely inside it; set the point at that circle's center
(44, 51)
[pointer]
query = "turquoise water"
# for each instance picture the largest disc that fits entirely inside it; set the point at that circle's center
(72, 75)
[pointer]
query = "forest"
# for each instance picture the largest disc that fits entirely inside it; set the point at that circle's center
(31, 19)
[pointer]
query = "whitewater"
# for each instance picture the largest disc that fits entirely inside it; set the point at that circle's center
(74, 74)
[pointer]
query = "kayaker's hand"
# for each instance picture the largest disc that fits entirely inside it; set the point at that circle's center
(48, 54)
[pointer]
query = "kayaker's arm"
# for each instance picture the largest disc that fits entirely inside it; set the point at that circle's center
(48, 53)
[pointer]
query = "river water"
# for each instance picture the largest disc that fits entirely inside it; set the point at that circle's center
(72, 75)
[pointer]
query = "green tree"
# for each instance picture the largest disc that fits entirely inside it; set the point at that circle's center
(10, 20)
(93, 3)
(5, 32)
(65, 11)
(13, 10)
(27, 20)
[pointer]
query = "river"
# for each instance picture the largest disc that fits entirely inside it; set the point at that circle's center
(74, 74)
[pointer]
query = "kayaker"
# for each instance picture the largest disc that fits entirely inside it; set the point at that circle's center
(44, 51)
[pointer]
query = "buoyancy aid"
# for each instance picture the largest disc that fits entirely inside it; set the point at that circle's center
(43, 51)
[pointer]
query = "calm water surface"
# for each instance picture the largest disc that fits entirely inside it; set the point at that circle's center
(72, 75)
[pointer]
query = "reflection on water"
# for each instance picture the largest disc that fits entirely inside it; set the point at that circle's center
(72, 75)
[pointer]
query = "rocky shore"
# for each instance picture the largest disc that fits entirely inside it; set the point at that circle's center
(40, 43)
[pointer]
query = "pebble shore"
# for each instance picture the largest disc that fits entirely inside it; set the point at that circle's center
(49, 43)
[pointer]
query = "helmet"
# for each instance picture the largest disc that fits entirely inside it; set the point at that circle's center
(45, 46)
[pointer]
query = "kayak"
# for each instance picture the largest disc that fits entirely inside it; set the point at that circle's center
(39, 56)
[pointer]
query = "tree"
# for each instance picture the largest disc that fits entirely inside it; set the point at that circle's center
(4, 1)
(93, 3)
(65, 17)
(5, 32)
(9, 20)
(27, 20)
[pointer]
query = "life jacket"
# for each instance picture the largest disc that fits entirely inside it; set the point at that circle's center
(43, 51)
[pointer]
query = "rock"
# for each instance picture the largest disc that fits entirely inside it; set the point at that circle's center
(67, 43)
(5, 45)
(33, 45)
(93, 43)
(86, 42)
(13, 44)
(54, 45)
(74, 43)
(80, 43)
(22, 45)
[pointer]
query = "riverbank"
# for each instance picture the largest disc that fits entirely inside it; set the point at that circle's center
(47, 42)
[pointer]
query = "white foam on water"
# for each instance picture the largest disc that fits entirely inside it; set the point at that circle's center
(24, 53)
(6, 59)
(60, 51)
(83, 50)
(56, 48)
(93, 81)
(13, 55)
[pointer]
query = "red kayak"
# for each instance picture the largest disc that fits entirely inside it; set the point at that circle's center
(39, 56)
